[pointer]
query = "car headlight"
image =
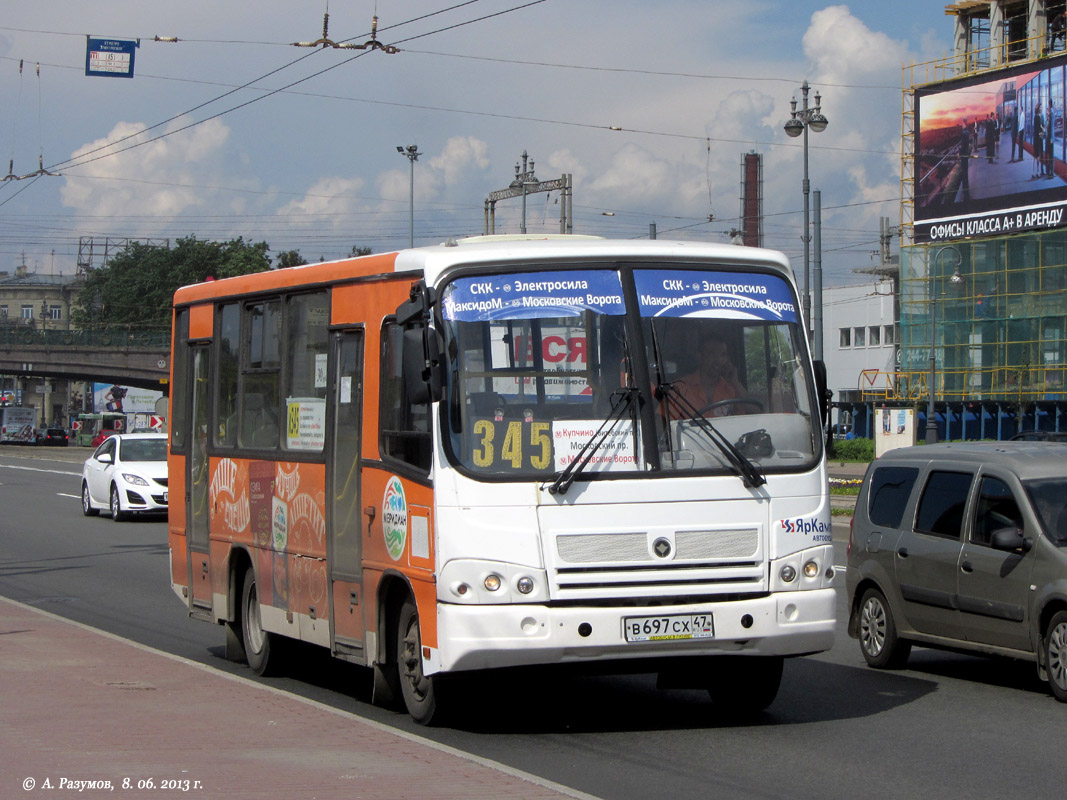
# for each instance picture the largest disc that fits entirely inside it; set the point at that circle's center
(136, 480)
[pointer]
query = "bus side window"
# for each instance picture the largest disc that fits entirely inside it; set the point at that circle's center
(227, 350)
(260, 405)
(405, 427)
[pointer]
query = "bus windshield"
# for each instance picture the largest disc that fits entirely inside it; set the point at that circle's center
(703, 369)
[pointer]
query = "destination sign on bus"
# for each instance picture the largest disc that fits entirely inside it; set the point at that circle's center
(532, 295)
(722, 295)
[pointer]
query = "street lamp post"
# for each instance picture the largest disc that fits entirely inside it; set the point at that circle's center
(798, 124)
(524, 180)
(411, 152)
(956, 279)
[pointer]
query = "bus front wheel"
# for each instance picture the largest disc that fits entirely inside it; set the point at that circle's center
(421, 692)
(744, 685)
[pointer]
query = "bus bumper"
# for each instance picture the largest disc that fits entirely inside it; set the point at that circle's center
(486, 637)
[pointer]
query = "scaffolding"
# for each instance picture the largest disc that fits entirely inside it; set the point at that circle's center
(995, 312)
(95, 252)
(991, 312)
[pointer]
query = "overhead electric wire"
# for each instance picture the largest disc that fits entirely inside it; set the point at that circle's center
(651, 72)
(81, 160)
(702, 222)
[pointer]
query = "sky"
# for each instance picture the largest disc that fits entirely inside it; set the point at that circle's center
(232, 131)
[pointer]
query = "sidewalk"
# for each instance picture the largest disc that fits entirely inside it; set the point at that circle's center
(848, 470)
(79, 704)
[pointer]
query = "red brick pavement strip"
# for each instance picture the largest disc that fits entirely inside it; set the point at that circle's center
(78, 704)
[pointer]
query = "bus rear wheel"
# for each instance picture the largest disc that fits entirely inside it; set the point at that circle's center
(260, 646)
(421, 692)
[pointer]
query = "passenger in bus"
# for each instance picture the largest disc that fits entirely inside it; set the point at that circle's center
(713, 381)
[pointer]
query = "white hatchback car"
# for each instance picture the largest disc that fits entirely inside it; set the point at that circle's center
(126, 474)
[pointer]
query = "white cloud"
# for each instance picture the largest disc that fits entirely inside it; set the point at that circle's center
(844, 50)
(638, 178)
(159, 178)
(331, 196)
(461, 155)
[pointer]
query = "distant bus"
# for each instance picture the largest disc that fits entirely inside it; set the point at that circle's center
(87, 426)
(17, 425)
(482, 455)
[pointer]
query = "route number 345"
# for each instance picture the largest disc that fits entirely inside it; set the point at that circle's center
(512, 443)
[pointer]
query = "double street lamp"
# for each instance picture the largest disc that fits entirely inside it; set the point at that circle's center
(412, 153)
(799, 123)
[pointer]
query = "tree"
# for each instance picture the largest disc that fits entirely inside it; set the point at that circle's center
(359, 251)
(290, 258)
(136, 287)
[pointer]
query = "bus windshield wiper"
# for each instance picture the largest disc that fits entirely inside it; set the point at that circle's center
(623, 401)
(750, 474)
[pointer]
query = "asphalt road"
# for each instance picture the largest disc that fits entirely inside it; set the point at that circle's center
(948, 726)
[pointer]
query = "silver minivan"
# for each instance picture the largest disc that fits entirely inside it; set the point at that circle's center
(963, 546)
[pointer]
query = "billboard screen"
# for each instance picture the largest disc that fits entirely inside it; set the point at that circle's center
(990, 154)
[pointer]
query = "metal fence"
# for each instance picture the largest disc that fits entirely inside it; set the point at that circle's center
(119, 338)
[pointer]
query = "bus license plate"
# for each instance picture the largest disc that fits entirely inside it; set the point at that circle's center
(669, 628)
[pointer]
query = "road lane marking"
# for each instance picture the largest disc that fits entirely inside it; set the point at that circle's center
(38, 469)
(75, 496)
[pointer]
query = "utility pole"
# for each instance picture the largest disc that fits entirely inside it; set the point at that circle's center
(816, 272)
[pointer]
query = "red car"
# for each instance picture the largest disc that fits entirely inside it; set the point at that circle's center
(101, 436)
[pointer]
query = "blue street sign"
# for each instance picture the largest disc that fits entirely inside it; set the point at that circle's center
(110, 58)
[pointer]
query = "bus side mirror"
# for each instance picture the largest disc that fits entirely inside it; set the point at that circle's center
(422, 365)
(821, 391)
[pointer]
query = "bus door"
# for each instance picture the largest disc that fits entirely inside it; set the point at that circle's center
(343, 518)
(196, 478)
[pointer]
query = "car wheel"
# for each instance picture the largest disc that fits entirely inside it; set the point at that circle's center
(421, 692)
(879, 643)
(1056, 655)
(117, 513)
(87, 502)
(744, 685)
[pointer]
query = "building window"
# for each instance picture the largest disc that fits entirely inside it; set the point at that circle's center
(887, 334)
(27, 312)
(3, 312)
(859, 337)
(55, 312)
(846, 337)
(875, 336)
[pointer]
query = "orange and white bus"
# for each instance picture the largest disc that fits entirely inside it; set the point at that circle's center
(487, 454)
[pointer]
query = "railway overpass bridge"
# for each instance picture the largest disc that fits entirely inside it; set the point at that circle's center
(126, 356)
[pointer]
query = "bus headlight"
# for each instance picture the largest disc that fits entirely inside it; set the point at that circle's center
(472, 581)
(788, 573)
(811, 569)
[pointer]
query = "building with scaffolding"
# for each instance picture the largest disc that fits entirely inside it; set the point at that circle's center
(983, 258)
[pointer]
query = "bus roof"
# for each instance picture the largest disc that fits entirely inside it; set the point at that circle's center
(436, 261)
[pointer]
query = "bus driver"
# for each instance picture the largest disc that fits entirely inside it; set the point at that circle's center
(713, 381)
